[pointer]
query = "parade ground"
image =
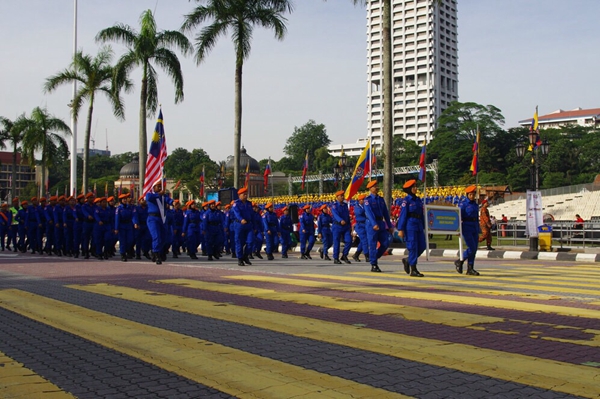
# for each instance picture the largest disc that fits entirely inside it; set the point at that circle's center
(292, 328)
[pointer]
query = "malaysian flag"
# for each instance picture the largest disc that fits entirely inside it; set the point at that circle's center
(156, 156)
(422, 167)
(475, 162)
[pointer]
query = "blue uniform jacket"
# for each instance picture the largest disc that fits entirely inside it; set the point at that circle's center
(377, 212)
(242, 211)
(270, 223)
(411, 215)
(307, 222)
(324, 222)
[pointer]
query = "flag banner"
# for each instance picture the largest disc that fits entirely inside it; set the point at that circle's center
(422, 171)
(534, 212)
(362, 168)
(266, 176)
(535, 128)
(304, 170)
(202, 184)
(475, 162)
(156, 155)
(247, 180)
(177, 185)
(121, 188)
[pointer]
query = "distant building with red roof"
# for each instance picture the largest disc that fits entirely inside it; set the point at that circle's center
(559, 118)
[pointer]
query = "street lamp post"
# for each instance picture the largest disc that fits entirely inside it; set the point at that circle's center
(339, 170)
(534, 169)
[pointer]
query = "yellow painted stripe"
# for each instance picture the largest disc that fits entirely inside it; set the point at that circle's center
(452, 277)
(229, 370)
(546, 374)
(478, 322)
(17, 381)
(553, 282)
(577, 270)
(477, 301)
(434, 316)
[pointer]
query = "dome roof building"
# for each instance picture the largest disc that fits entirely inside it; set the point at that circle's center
(245, 159)
(131, 170)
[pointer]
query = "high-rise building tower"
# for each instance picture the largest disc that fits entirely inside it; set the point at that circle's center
(425, 69)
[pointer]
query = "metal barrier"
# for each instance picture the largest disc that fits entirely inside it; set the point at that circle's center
(514, 233)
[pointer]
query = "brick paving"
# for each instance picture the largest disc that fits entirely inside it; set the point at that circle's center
(88, 370)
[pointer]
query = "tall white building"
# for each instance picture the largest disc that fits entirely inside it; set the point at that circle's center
(425, 69)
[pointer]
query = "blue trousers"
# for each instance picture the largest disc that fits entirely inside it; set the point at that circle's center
(156, 229)
(86, 236)
(341, 233)
(192, 240)
(244, 240)
(285, 241)
(307, 240)
(363, 245)
(125, 239)
(212, 241)
(270, 241)
(380, 237)
(327, 238)
(471, 237)
(415, 243)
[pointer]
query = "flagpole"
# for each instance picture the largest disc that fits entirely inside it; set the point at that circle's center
(477, 164)
(73, 122)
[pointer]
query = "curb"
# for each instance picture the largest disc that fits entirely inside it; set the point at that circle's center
(498, 254)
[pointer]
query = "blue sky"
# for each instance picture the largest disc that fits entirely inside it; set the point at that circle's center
(514, 54)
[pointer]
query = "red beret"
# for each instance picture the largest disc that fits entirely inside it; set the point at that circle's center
(470, 189)
(409, 183)
(242, 190)
(372, 183)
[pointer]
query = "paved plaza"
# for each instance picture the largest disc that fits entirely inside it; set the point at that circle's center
(292, 328)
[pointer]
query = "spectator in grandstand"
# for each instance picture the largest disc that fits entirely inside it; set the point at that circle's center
(504, 224)
(578, 223)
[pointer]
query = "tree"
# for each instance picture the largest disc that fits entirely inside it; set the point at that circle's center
(241, 17)
(306, 138)
(42, 134)
(143, 47)
(452, 142)
(12, 132)
(94, 75)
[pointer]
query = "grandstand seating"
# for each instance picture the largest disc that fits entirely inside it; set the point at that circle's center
(562, 207)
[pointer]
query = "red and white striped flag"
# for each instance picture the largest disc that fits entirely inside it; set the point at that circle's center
(156, 156)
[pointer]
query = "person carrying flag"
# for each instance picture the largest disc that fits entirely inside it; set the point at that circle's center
(378, 221)
(411, 227)
(360, 219)
(157, 207)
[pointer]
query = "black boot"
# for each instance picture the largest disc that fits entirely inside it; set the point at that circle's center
(375, 269)
(367, 257)
(356, 256)
(321, 253)
(270, 257)
(247, 260)
(210, 257)
(158, 258)
(489, 248)
(326, 257)
(258, 255)
(147, 255)
(471, 271)
(345, 259)
(241, 262)
(123, 258)
(414, 272)
(406, 265)
(337, 262)
(459, 265)
(307, 254)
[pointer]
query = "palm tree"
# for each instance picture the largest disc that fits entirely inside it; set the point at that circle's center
(12, 132)
(42, 134)
(94, 75)
(143, 47)
(241, 17)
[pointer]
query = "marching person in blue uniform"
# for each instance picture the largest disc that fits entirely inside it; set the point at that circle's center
(142, 238)
(78, 225)
(271, 229)
(47, 214)
(212, 226)
(229, 233)
(378, 224)
(69, 215)
(411, 227)
(33, 224)
(307, 232)
(191, 229)
(176, 228)
(324, 222)
(286, 228)
(157, 206)
(469, 214)
(102, 228)
(59, 232)
(22, 220)
(87, 209)
(341, 228)
(243, 214)
(360, 227)
(124, 226)
(257, 232)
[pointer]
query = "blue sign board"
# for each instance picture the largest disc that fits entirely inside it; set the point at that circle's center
(443, 219)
